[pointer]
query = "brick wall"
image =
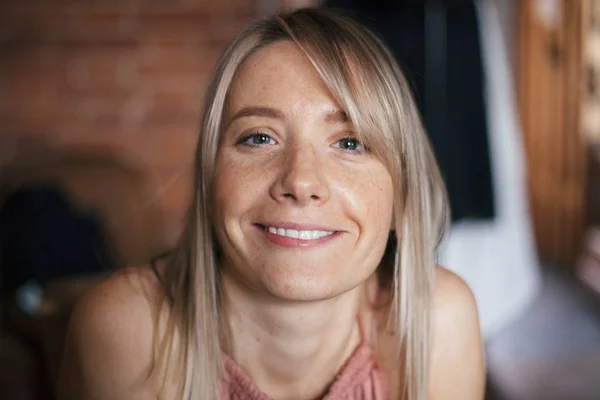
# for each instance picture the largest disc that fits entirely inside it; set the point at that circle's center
(127, 76)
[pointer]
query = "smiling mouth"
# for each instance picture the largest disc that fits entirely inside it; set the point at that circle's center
(298, 234)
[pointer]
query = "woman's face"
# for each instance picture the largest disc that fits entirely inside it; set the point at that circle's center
(303, 209)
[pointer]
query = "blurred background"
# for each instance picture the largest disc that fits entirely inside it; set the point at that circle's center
(99, 111)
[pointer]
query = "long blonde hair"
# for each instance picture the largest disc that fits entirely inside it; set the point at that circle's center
(368, 84)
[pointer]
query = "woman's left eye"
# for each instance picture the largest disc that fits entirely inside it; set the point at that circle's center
(350, 144)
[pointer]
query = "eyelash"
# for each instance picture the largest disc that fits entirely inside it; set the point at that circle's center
(244, 141)
(363, 148)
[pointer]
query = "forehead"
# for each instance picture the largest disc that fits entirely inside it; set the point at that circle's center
(279, 75)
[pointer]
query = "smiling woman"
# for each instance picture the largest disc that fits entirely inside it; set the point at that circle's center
(307, 268)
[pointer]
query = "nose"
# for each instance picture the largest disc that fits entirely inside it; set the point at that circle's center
(300, 180)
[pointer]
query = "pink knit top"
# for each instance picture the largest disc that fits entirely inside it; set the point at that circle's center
(359, 379)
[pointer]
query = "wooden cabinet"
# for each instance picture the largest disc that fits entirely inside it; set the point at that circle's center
(551, 84)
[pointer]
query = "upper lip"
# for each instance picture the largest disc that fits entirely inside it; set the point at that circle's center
(297, 226)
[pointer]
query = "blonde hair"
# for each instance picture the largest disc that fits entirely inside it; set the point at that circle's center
(368, 84)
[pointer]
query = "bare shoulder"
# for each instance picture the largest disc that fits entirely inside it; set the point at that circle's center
(457, 363)
(452, 295)
(109, 348)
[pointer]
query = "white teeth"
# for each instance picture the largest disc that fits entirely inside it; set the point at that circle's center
(295, 234)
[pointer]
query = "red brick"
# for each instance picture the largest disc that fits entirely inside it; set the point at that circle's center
(58, 25)
(222, 30)
(101, 80)
(52, 60)
(170, 103)
(193, 86)
(128, 75)
(22, 59)
(105, 27)
(134, 111)
(186, 121)
(102, 52)
(43, 26)
(89, 113)
(101, 112)
(176, 59)
(123, 7)
(174, 29)
(28, 96)
(67, 110)
(197, 7)
(19, 125)
(87, 78)
(171, 146)
(99, 71)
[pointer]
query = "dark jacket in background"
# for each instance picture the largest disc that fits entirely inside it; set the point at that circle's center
(43, 237)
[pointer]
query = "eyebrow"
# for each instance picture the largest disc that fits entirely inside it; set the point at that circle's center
(335, 116)
(254, 111)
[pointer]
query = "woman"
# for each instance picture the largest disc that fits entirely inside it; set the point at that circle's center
(307, 267)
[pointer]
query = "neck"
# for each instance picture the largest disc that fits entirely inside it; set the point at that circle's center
(290, 349)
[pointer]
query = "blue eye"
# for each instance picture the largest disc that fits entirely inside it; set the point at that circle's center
(351, 144)
(256, 140)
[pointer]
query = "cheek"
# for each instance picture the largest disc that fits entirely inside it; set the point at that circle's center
(226, 185)
(370, 194)
(236, 184)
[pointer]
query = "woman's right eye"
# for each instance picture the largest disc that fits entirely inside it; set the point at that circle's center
(256, 140)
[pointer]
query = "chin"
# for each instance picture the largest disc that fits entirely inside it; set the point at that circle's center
(302, 288)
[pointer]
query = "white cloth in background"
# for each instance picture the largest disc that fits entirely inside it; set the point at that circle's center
(497, 258)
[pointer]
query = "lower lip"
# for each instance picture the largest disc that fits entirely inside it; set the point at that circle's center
(285, 241)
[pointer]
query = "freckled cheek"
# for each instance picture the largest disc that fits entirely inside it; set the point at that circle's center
(238, 184)
(370, 194)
